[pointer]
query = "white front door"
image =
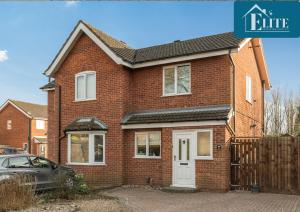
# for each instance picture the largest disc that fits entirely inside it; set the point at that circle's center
(183, 159)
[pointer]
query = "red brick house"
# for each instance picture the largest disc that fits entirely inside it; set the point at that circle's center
(161, 115)
(24, 125)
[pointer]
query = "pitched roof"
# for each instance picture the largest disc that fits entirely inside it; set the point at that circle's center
(86, 124)
(33, 110)
(122, 54)
(207, 113)
(179, 48)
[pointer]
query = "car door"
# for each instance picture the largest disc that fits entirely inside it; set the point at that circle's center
(45, 172)
(21, 165)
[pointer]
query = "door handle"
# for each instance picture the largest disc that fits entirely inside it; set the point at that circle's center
(174, 157)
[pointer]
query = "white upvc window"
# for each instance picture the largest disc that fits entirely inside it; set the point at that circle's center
(204, 138)
(249, 89)
(9, 125)
(85, 86)
(147, 145)
(86, 148)
(40, 124)
(177, 80)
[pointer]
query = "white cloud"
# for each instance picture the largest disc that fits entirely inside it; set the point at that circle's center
(3, 55)
(71, 2)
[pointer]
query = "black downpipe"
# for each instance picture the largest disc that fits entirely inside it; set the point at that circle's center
(59, 123)
(29, 135)
(233, 93)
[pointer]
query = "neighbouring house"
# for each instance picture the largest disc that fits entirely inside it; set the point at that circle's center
(24, 125)
(161, 115)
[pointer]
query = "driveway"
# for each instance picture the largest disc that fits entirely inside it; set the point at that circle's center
(143, 199)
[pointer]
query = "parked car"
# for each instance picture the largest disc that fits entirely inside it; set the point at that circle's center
(44, 173)
(7, 150)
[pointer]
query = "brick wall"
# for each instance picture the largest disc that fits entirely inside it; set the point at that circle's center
(120, 91)
(112, 81)
(210, 174)
(210, 85)
(247, 113)
(20, 127)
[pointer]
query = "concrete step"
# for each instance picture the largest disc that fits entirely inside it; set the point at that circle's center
(172, 189)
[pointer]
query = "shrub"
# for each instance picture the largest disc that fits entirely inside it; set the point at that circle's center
(67, 189)
(16, 193)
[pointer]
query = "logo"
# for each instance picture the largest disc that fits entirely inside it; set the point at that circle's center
(267, 19)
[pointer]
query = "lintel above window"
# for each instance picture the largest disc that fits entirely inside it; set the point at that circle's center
(85, 86)
(177, 80)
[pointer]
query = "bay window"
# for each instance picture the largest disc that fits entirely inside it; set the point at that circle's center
(147, 144)
(177, 80)
(86, 148)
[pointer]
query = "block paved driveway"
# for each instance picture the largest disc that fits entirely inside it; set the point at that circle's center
(143, 199)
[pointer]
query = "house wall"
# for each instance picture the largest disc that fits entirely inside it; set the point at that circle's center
(112, 83)
(120, 91)
(210, 85)
(20, 127)
(247, 113)
(37, 132)
(210, 174)
(52, 127)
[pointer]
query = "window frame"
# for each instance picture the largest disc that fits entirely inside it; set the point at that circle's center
(91, 155)
(210, 157)
(147, 145)
(176, 80)
(249, 89)
(84, 74)
(37, 126)
(9, 124)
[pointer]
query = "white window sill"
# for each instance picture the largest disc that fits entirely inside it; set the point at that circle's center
(180, 94)
(146, 157)
(86, 164)
(204, 158)
(84, 100)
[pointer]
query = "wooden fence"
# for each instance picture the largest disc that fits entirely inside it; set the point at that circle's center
(272, 163)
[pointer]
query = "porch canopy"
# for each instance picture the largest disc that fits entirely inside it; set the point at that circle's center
(204, 113)
(86, 124)
(40, 139)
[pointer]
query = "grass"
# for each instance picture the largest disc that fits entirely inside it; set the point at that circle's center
(16, 197)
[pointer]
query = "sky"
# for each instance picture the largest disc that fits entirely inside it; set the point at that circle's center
(32, 33)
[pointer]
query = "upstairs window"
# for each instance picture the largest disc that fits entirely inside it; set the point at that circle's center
(249, 89)
(177, 80)
(9, 125)
(85, 86)
(40, 124)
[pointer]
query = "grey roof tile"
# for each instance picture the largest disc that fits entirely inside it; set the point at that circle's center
(214, 112)
(175, 49)
(34, 110)
(86, 124)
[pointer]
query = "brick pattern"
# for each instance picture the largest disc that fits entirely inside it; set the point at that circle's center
(20, 127)
(120, 90)
(18, 135)
(248, 114)
(210, 85)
